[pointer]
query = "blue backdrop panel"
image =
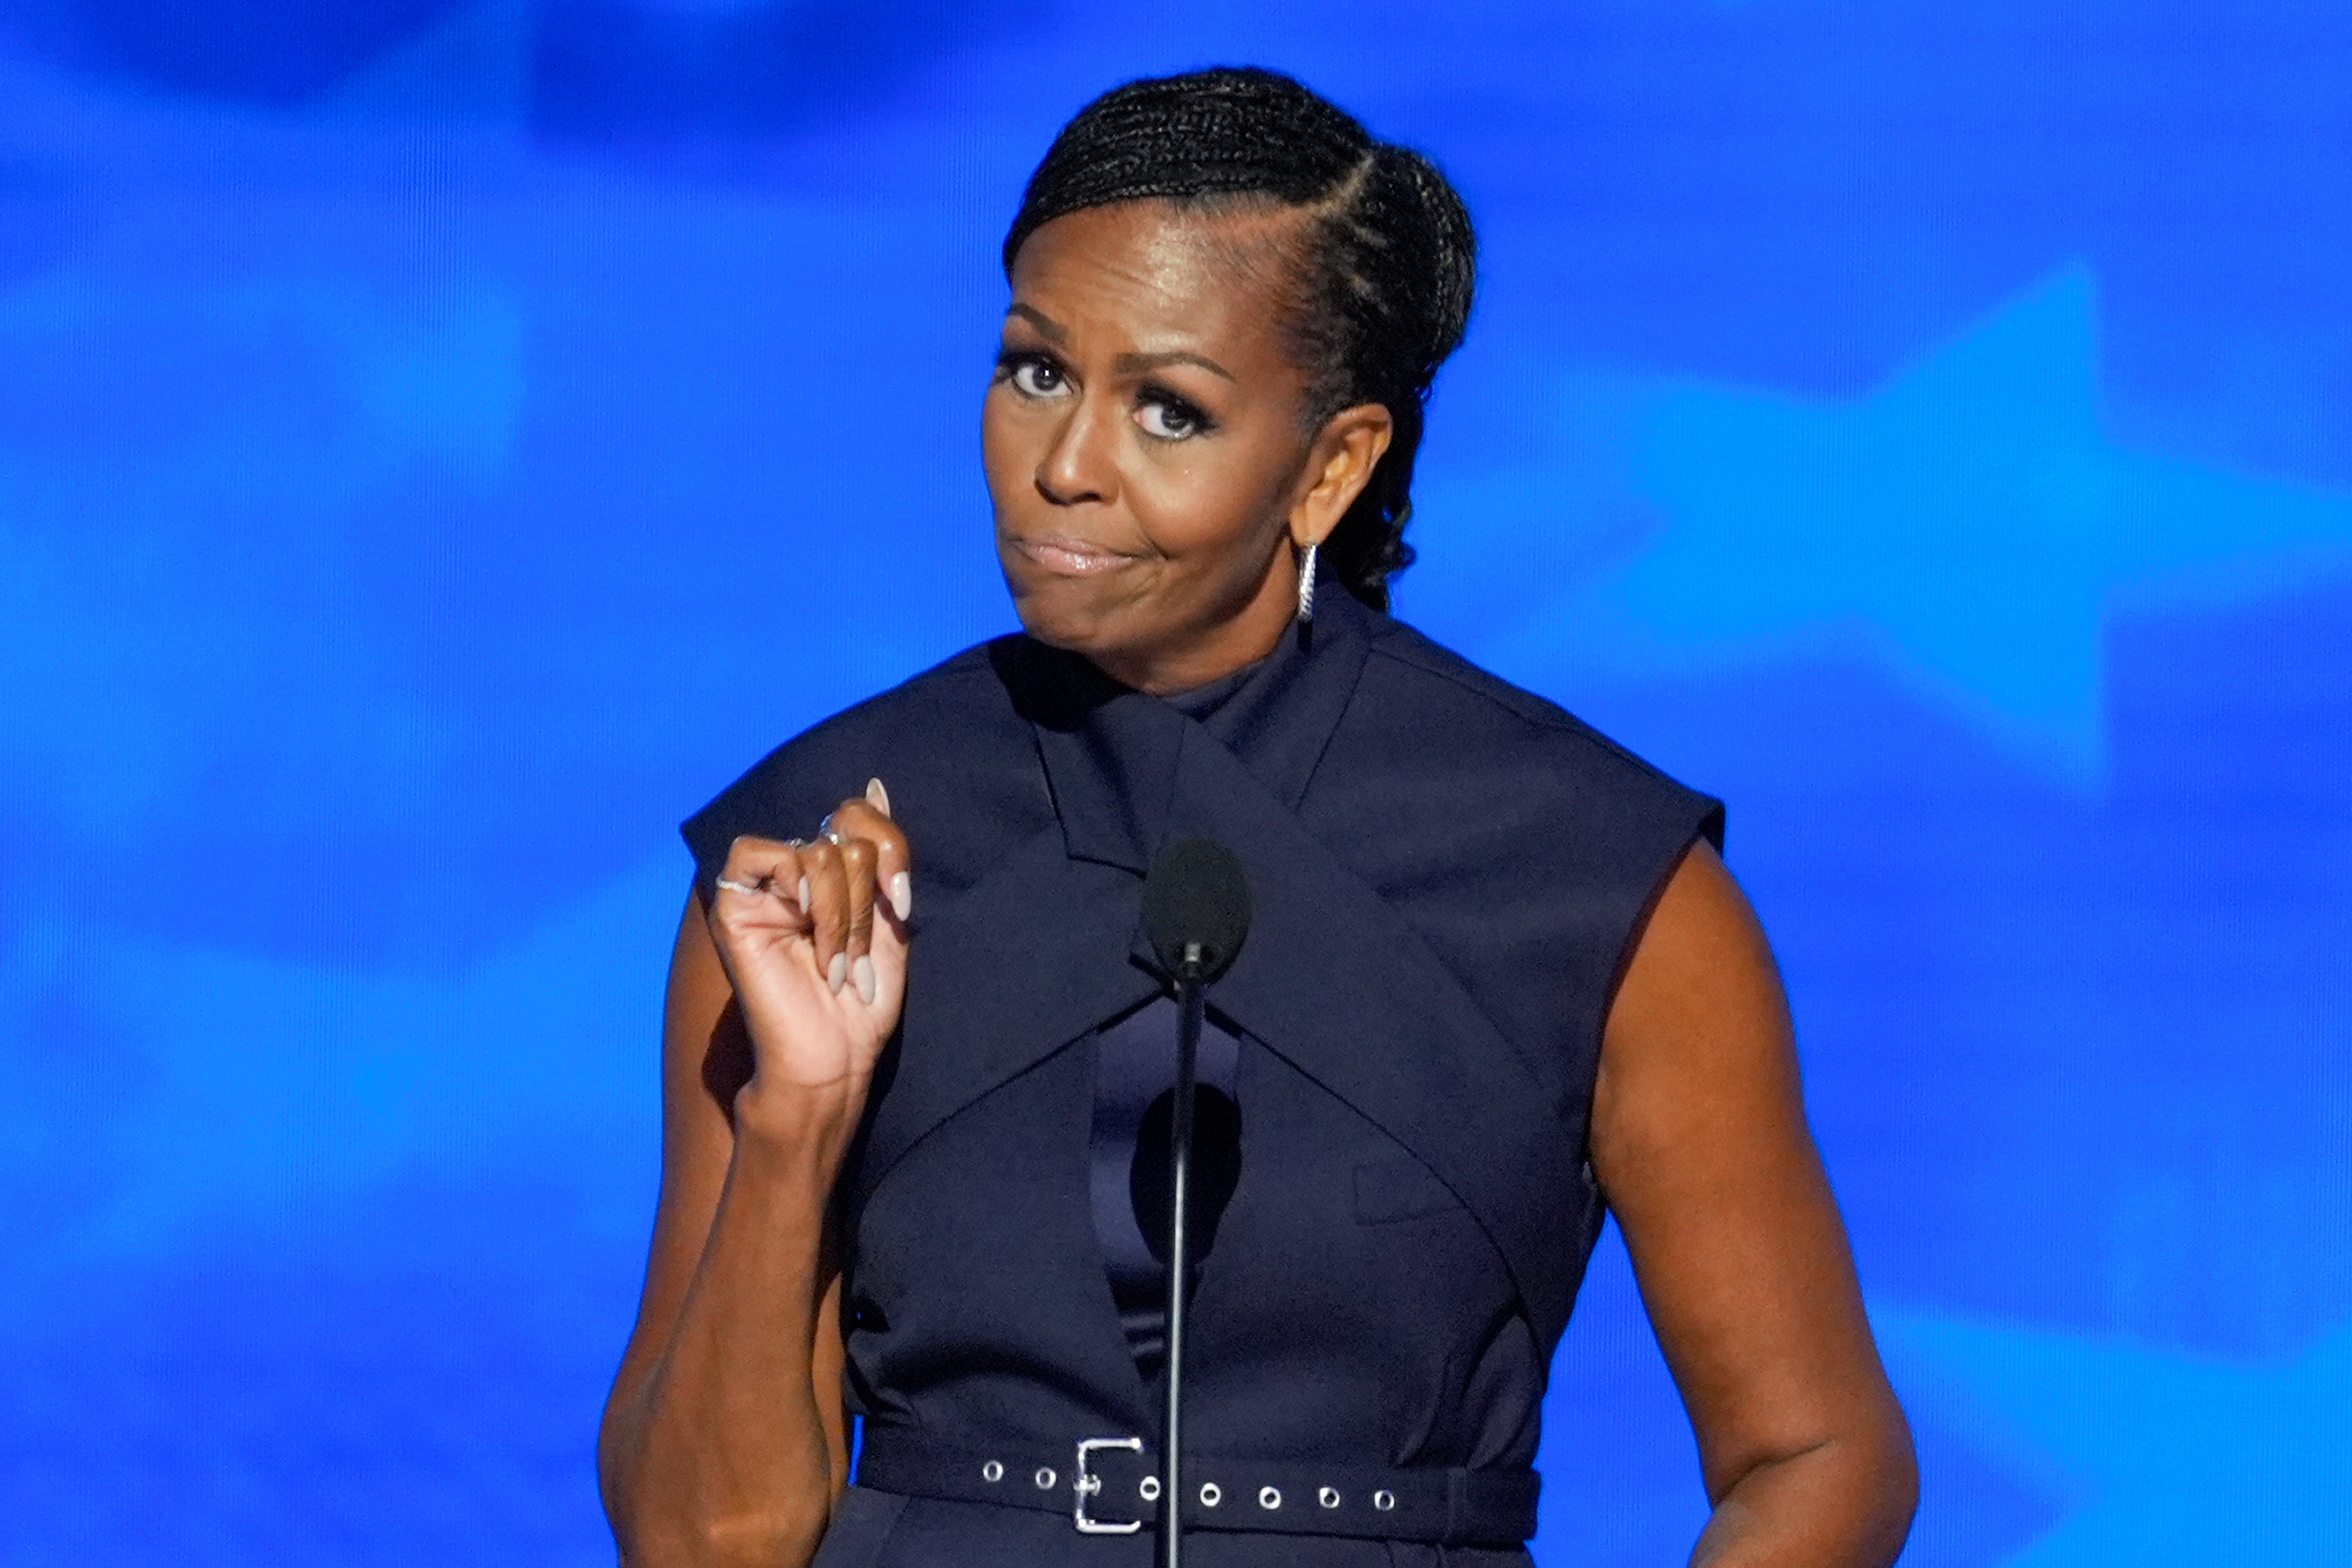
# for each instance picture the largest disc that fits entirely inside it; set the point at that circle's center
(442, 443)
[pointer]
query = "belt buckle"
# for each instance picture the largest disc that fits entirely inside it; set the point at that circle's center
(1085, 1483)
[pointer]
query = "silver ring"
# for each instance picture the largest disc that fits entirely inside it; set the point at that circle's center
(734, 886)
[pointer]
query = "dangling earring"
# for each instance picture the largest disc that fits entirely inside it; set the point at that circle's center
(1307, 586)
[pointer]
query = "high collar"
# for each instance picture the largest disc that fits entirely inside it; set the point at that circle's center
(1111, 754)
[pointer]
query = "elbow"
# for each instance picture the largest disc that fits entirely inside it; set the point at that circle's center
(1877, 1466)
(1893, 1493)
(761, 1541)
(662, 1523)
(1844, 1498)
(785, 1540)
(1878, 1477)
(669, 1510)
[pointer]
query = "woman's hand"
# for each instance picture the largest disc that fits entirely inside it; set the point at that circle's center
(814, 939)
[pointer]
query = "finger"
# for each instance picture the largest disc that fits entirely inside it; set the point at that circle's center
(870, 818)
(756, 869)
(828, 886)
(857, 872)
(894, 863)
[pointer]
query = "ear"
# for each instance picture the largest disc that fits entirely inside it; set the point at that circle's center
(1338, 466)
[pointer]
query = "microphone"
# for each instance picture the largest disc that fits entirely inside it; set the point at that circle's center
(1196, 907)
(1196, 912)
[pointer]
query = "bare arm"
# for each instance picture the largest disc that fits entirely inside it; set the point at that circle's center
(724, 1439)
(1699, 1140)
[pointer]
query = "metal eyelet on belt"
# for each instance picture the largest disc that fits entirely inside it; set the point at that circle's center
(1212, 1494)
(1149, 1487)
(1044, 1477)
(1384, 1500)
(1329, 1496)
(992, 1471)
(1269, 1496)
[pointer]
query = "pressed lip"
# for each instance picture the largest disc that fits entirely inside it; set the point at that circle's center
(1069, 557)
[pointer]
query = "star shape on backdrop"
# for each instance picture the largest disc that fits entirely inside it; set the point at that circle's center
(1970, 522)
(2180, 1459)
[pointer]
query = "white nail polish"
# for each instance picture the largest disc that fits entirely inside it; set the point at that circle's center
(805, 903)
(838, 974)
(866, 982)
(902, 896)
(877, 796)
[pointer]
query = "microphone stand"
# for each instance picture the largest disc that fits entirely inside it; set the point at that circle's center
(1189, 1002)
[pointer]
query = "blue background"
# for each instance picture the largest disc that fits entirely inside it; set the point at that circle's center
(441, 444)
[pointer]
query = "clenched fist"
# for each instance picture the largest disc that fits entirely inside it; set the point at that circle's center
(813, 938)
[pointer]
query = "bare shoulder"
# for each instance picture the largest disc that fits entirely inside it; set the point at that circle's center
(1703, 933)
(1700, 1024)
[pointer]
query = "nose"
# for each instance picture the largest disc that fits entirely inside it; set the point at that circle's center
(1079, 466)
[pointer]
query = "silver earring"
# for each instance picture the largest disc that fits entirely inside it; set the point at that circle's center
(1307, 586)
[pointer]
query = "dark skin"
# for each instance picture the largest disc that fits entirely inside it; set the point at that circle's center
(1154, 479)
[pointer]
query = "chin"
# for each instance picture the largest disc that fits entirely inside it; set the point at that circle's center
(1064, 612)
(1054, 620)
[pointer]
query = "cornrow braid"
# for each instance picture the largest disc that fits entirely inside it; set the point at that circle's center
(1385, 259)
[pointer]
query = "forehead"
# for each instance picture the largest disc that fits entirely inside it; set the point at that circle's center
(1152, 270)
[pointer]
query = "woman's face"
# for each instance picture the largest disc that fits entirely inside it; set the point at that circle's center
(1146, 447)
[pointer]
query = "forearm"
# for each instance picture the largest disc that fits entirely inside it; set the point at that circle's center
(1843, 1503)
(719, 1454)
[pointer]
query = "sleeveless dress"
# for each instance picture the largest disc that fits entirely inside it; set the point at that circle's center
(1447, 876)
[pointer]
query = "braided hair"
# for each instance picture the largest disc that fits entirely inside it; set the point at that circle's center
(1382, 264)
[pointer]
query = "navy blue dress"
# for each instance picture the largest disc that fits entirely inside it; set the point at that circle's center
(1448, 875)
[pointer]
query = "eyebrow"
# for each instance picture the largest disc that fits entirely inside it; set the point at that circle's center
(1126, 364)
(1053, 331)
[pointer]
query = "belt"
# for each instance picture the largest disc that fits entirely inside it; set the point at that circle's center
(1110, 1486)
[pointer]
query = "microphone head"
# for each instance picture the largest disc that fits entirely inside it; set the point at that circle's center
(1195, 892)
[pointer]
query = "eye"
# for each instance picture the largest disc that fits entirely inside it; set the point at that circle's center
(1033, 375)
(1167, 417)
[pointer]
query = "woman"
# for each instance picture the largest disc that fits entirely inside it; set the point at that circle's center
(918, 1068)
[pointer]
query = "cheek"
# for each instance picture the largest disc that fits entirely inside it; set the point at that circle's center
(1210, 506)
(999, 449)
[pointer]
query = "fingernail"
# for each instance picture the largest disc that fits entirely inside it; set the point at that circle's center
(838, 974)
(804, 895)
(866, 981)
(902, 896)
(877, 796)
